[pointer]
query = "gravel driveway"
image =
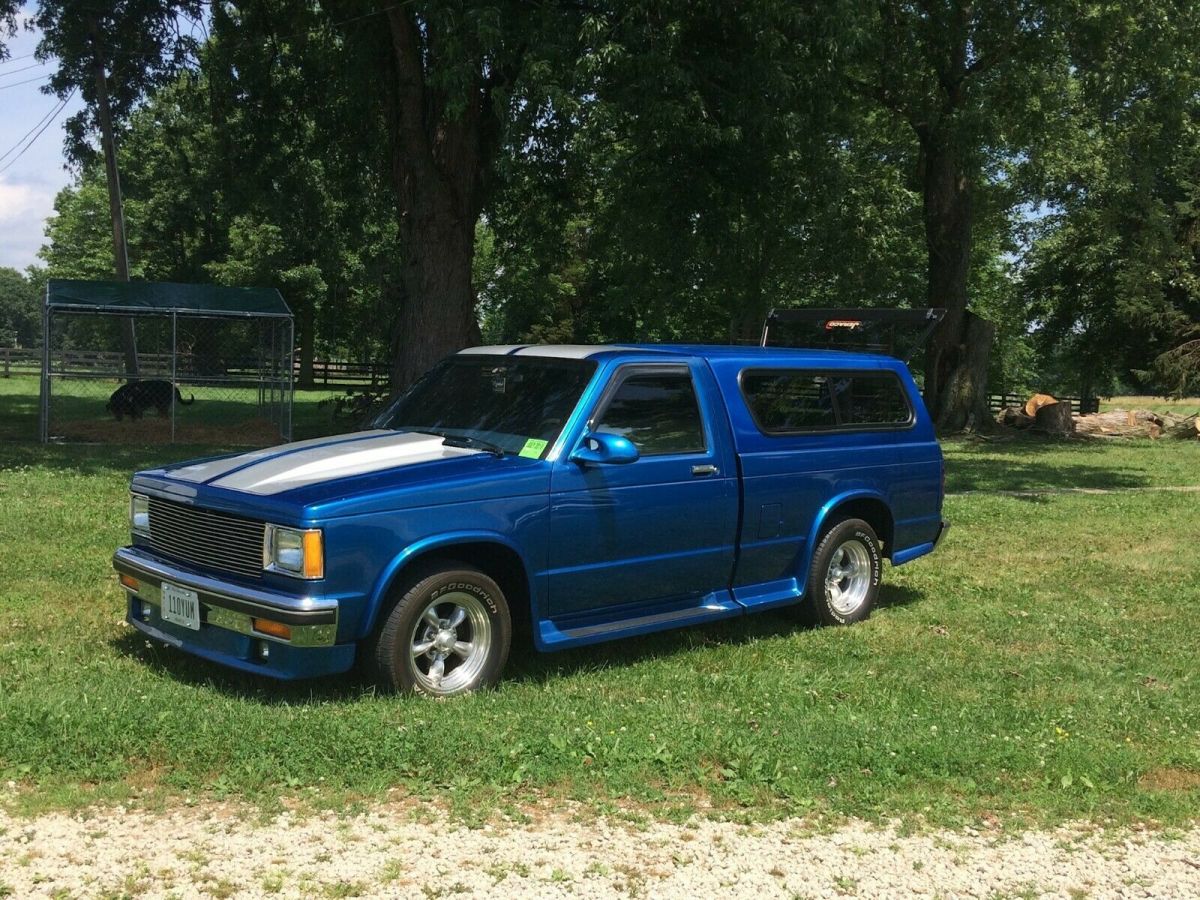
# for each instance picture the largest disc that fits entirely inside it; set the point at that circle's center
(216, 851)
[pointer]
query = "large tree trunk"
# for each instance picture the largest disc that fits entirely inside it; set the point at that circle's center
(438, 314)
(116, 213)
(956, 360)
(443, 149)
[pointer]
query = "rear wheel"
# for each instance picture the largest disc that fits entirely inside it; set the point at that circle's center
(843, 579)
(448, 633)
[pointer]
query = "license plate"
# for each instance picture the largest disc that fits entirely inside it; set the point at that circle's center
(181, 606)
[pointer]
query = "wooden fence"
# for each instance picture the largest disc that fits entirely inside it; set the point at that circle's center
(327, 373)
(14, 361)
(1082, 406)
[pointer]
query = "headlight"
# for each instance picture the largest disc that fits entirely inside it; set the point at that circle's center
(296, 552)
(139, 514)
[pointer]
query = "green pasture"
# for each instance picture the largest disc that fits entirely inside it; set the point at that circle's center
(219, 415)
(1040, 667)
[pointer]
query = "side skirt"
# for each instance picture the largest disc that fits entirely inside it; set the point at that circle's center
(577, 631)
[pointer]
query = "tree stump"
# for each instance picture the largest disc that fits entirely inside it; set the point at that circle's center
(1055, 418)
(1013, 417)
(1036, 402)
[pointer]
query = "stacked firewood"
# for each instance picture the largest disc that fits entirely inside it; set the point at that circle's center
(1046, 414)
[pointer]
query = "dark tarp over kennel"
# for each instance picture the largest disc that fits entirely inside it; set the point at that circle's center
(228, 347)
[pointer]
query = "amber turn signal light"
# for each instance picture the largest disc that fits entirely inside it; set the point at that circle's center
(130, 582)
(314, 555)
(275, 629)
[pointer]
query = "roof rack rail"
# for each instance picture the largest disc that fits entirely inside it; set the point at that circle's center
(875, 325)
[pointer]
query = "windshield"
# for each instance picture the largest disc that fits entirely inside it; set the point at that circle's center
(517, 404)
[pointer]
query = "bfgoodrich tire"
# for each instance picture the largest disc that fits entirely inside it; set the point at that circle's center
(448, 633)
(843, 578)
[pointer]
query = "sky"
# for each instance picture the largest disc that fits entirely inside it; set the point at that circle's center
(28, 186)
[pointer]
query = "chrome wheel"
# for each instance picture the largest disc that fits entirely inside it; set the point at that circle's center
(450, 644)
(848, 577)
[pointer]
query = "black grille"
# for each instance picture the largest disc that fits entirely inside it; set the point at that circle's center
(207, 538)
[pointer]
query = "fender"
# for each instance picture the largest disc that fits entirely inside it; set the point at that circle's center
(818, 526)
(387, 577)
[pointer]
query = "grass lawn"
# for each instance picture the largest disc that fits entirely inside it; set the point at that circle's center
(1040, 667)
(1033, 463)
(220, 415)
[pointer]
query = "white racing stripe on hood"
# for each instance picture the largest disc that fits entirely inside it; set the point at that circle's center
(206, 471)
(324, 463)
(310, 462)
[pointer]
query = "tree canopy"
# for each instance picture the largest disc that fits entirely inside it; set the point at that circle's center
(416, 177)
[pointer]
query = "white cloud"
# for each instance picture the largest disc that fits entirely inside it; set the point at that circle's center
(23, 212)
(17, 201)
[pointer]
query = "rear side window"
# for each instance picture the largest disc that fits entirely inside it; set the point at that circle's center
(786, 401)
(657, 411)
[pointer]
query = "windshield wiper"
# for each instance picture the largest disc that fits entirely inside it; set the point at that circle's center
(465, 441)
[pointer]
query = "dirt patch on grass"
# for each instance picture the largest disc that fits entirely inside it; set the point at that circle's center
(1170, 779)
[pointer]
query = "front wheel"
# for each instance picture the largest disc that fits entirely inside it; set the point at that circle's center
(448, 633)
(843, 579)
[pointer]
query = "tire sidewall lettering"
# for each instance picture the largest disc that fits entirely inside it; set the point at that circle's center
(873, 551)
(466, 587)
(868, 541)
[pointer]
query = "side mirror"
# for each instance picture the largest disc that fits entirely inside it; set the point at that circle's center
(602, 448)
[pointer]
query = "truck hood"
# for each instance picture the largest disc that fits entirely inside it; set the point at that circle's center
(351, 474)
(276, 470)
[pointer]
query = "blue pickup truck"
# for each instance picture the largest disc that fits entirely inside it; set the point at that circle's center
(573, 494)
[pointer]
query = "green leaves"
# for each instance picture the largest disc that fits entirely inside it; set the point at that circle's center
(20, 310)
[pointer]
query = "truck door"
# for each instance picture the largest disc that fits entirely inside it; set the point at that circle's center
(661, 528)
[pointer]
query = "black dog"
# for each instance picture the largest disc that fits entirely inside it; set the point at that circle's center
(135, 398)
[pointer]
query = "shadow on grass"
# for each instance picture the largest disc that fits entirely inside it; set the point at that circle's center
(897, 596)
(19, 417)
(100, 459)
(525, 666)
(1033, 462)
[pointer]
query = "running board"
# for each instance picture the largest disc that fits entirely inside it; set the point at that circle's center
(558, 635)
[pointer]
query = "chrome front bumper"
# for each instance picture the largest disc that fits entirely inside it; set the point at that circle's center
(313, 621)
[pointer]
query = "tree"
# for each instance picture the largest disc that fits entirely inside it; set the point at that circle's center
(20, 313)
(974, 82)
(455, 80)
(708, 171)
(113, 56)
(1112, 275)
(231, 173)
(8, 23)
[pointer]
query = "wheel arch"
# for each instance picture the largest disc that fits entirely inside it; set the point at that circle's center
(870, 506)
(492, 553)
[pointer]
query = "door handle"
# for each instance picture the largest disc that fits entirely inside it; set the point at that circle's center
(706, 469)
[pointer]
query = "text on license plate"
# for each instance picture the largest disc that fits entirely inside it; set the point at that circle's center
(181, 606)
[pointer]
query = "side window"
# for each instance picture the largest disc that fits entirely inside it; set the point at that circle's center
(789, 401)
(872, 400)
(783, 402)
(657, 411)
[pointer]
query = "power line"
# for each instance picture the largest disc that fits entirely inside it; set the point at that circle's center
(54, 110)
(7, 60)
(22, 69)
(32, 140)
(26, 81)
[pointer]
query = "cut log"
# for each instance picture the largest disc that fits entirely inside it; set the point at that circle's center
(1036, 402)
(1013, 417)
(1054, 418)
(1134, 423)
(1188, 428)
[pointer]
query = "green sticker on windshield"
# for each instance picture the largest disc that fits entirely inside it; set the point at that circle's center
(533, 448)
